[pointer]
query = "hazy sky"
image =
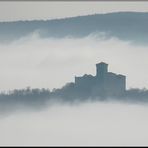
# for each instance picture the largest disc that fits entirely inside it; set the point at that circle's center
(10, 11)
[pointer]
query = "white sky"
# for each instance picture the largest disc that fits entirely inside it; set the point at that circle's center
(10, 11)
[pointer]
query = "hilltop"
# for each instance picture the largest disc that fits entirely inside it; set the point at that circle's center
(129, 26)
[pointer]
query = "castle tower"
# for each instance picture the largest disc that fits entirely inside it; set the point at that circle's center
(101, 69)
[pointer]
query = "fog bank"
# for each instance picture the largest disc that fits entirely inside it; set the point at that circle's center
(84, 124)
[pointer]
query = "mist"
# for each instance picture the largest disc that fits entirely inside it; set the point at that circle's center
(94, 124)
(50, 63)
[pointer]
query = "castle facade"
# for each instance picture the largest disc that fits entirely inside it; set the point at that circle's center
(104, 84)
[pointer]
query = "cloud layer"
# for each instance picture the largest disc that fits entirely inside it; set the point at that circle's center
(83, 124)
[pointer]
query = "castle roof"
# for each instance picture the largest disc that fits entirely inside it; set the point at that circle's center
(101, 63)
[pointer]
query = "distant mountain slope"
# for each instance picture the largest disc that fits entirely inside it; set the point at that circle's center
(124, 25)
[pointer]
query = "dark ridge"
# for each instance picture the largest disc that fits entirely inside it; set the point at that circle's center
(128, 26)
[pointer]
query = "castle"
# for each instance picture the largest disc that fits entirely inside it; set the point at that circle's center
(104, 84)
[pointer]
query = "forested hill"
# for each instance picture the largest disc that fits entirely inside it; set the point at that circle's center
(124, 25)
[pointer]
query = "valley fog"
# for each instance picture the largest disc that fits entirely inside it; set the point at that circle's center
(89, 123)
